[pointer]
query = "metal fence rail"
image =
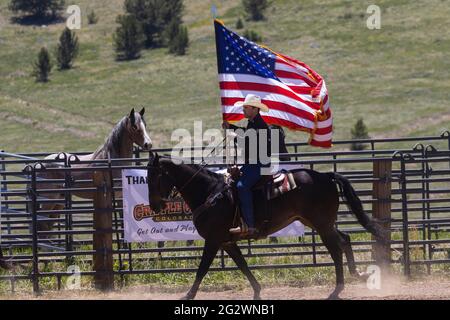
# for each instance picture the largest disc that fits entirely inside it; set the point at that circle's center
(419, 215)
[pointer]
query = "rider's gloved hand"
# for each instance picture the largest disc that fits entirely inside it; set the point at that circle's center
(234, 172)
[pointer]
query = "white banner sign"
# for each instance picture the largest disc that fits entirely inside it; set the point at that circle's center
(173, 223)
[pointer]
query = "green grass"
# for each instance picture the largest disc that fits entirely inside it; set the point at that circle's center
(396, 78)
(307, 276)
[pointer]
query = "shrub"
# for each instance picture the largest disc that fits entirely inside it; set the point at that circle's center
(252, 36)
(155, 17)
(255, 9)
(38, 8)
(67, 49)
(43, 66)
(359, 131)
(180, 42)
(92, 17)
(239, 24)
(128, 39)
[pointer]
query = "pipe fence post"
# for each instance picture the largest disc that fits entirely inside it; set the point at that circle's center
(406, 257)
(34, 229)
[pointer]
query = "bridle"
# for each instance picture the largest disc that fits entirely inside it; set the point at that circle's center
(162, 173)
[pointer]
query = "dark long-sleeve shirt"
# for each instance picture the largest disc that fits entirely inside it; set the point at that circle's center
(262, 134)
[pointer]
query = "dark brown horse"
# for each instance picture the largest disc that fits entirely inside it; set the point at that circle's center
(314, 202)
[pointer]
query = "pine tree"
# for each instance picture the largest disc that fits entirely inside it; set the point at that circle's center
(128, 39)
(92, 17)
(180, 42)
(38, 8)
(359, 131)
(42, 66)
(255, 9)
(239, 24)
(155, 17)
(171, 32)
(252, 36)
(67, 49)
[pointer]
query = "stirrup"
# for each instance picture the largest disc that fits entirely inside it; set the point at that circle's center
(236, 230)
(239, 229)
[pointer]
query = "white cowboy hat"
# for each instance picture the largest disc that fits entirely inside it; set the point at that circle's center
(254, 101)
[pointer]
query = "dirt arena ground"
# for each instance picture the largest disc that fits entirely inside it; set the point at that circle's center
(427, 288)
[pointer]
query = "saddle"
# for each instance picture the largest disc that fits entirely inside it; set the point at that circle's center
(276, 185)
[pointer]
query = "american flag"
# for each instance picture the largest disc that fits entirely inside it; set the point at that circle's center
(296, 95)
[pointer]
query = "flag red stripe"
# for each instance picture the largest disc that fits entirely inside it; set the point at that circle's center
(322, 144)
(267, 88)
(326, 130)
(284, 123)
(290, 64)
(280, 122)
(233, 116)
(304, 65)
(291, 75)
(274, 105)
(269, 120)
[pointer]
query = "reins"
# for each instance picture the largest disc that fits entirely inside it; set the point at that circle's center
(203, 164)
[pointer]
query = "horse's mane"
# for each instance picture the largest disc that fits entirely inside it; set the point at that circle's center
(196, 167)
(112, 142)
(206, 171)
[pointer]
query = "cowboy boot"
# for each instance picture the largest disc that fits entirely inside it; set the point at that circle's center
(242, 229)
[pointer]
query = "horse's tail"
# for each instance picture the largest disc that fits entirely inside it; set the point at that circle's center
(355, 206)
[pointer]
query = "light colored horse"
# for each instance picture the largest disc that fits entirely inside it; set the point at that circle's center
(129, 130)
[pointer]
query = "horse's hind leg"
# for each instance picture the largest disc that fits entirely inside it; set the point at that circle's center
(209, 252)
(332, 240)
(347, 247)
(236, 254)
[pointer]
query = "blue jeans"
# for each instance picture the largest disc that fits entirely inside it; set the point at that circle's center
(251, 173)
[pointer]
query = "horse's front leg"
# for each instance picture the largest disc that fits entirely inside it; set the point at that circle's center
(235, 253)
(209, 252)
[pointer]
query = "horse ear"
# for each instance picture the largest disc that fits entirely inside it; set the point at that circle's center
(142, 112)
(131, 116)
(151, 157)
(156, 159)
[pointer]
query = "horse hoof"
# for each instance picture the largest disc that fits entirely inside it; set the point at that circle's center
(335, 294)
(187, 297)
(333, 297)
(363, 276)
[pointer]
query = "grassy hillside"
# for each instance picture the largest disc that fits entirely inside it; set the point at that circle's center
(396, 78)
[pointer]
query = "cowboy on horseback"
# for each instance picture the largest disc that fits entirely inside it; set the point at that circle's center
(250, 172)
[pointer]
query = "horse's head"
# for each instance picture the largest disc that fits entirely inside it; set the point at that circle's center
(160, 184)
(137, 129)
